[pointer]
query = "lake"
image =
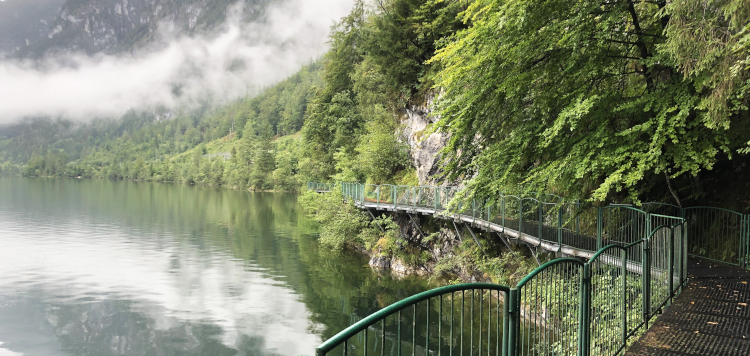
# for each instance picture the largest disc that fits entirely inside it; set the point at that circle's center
(99, 267)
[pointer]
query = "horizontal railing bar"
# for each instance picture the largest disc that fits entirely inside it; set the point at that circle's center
(352, 330)
(568, 228)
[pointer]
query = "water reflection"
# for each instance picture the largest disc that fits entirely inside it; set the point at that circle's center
(101, 267)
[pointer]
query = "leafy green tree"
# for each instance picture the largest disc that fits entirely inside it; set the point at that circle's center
(402, 36)
(582, 98)
(217, 171)
(142, 170)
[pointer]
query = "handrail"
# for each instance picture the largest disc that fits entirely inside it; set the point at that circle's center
(658, 203)
(659, 258)
(706, 225)
(381, 314)
(625, 206)
(544, 267)
(714, 208)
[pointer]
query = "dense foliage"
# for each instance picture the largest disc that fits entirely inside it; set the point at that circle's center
(591, 99)
(376, 66)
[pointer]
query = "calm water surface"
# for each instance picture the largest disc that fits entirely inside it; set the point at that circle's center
(97, 267)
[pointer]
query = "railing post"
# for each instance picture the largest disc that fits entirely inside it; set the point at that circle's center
(584, 339)
(407, 200)
(394, 195)
(377, 197)
(502, 211)
(520, 218)
(599, 227)
(683, 254)
(514, 321)
(745, 242)
(560, 227)
(624, 276)
(506, 332)
(541, 222)
(437, 196)
(646, 281)
(578, 217)
(670, 264)
(489, 210)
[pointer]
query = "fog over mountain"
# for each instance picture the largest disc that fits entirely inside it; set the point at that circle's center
(173, 66)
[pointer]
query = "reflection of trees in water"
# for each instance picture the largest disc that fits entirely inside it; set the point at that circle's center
(113, 328)
(268, 230)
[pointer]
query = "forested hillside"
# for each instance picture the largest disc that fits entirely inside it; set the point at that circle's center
(183, 148)
(617, 101)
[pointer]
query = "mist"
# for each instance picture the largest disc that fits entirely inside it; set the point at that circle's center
(240, 60)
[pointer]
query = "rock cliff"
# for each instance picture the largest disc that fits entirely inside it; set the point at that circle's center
(114, 26)
(425, 149)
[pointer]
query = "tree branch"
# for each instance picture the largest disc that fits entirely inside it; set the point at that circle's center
(669, 185)
(640, 43)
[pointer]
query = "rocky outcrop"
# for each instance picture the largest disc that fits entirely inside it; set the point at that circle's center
(398, 266)
(425, 149)
(381, 262)
(415, 234)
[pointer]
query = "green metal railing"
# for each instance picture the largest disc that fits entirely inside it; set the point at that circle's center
(321, 187)
(716, 234)
(564, 307)
(460, 319)
(549, 306)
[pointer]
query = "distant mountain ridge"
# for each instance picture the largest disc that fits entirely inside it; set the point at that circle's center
(32, 29)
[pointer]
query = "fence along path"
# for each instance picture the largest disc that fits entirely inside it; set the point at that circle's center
(564, 307)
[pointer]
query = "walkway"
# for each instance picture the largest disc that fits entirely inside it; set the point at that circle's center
(483, 224)
(710, 317)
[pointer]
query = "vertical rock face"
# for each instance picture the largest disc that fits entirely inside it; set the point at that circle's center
(113, 26)
(24, 22)
(425, 149)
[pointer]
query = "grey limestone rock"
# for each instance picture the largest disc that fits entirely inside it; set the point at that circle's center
(425, 149)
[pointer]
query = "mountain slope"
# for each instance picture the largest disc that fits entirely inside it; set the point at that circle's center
(38, 28)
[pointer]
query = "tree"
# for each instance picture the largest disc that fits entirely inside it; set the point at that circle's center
(581, 98)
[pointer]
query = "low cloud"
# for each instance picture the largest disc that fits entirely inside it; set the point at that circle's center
(238, 61)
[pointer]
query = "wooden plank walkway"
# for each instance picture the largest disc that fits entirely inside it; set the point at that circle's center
(710, 317)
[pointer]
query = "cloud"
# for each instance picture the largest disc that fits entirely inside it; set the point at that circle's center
(239, 60)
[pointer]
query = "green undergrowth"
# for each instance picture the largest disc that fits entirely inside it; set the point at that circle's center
(435, 249)
(343, 226)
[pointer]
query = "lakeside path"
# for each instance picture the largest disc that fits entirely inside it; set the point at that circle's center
(710, 317)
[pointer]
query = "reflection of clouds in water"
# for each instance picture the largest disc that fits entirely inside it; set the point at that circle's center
(170, 281)
(4, 352)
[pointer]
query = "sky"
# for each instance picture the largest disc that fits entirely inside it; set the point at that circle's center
(243, 58)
